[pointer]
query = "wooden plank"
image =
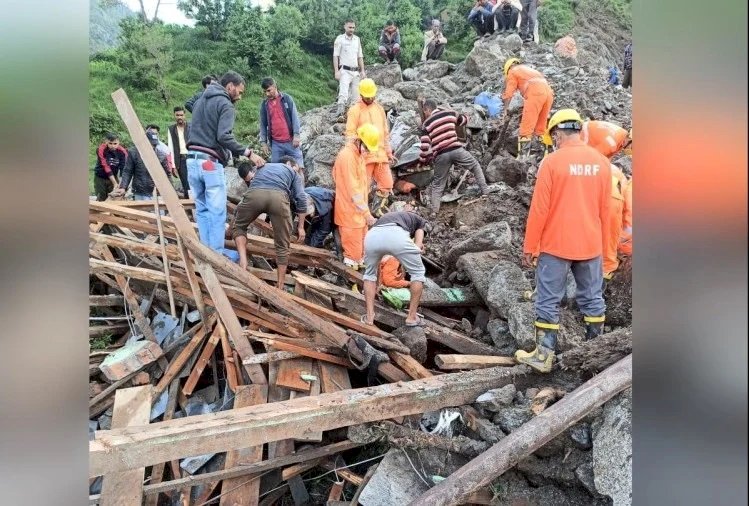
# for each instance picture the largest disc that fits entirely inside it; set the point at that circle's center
(264, 358)
(333, 378)
(290, 374)
(132, 406)
(307, 352)
(157, 472)
(103, 330)
(178, 362)
(164, 258)
(313, 436)
(187, 232)
(457, 341)
(240, 491)
(466, 362)
(529, 437)
(120, 449)
(203, 359)
(229, 365)
(410, 365)
(106, 300)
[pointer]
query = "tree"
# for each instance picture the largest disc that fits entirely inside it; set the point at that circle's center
(147, 53)
(212, 14)
(248, 37)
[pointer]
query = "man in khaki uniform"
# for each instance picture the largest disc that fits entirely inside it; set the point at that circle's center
(348, 64)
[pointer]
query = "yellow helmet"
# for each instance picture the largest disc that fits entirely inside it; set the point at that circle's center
(564, 116)
(367, 88)
(370, 136)
(509, 63)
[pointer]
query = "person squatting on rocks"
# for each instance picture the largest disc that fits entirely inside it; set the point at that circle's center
(507, 13)
(210, 145)
(528, 19)
(110, 158)
(348, 64)
(434, 42)
(566, 229)
(207, 80)
(279, 124)
(440, 145)
(318, 221)
(401, 235)
(378, 163)
(271, 191)
(537, 101)
(482, 18)
(135, 172)
(177, 142)
(351, 212)
(390, 43)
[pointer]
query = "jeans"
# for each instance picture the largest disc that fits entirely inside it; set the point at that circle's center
(528, 19)
(551, 281)
(137, 196)
(207, 182)
(279, 149)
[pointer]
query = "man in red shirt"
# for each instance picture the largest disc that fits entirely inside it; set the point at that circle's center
(279, 124)
(566, 229)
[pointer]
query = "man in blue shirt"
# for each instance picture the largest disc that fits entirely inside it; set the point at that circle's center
(272, 189)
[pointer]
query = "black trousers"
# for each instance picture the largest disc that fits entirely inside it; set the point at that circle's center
(182, 173)
(507, 17)
(483, 25)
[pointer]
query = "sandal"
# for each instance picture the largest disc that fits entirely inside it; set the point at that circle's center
(363, 319)
(420, 322)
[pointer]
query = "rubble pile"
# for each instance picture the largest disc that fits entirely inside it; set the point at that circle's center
(213, 386)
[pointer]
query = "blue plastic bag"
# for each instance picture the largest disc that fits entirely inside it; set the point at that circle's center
(489, 101)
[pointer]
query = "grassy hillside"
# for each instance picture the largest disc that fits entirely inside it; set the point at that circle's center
(104, 25)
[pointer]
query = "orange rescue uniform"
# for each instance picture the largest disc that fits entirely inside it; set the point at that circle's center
(350, 210)
(616, 221)
(569, 211)
(537, 95)
(607, 138)
(625, 241)
(391, 273)
(377, 164)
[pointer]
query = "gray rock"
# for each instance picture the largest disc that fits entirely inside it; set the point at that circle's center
(391, 99)
(514, 489)
(427, 71)
(319, 159)
(497, 398)
(581, 436)
(315, 122)
(612, 449)
(506, 169)
(384, 75)
(486, 59)
(520, 318)
(449, 86)
(516, 103)
(507, 283)
(494, 236)
(410, 74)
(511, 43)
(584, 474)
(105, 422)
(512, 417)
(415, 340)
(235, 186)
(500, 334)
(413, 89)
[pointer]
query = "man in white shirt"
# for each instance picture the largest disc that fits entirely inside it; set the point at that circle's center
(348, 65)
(434, 42)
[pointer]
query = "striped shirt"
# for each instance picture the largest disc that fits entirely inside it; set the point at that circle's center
(439, 135)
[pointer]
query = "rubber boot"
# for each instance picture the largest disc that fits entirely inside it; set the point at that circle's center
(524, 148)
(593, 326)
(542, 356)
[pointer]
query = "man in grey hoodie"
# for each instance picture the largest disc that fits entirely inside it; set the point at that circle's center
(210, 145)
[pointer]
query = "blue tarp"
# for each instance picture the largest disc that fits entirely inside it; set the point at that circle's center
(489, 101)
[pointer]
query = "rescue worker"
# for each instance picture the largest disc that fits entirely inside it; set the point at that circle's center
(350, 211)
(607, 138)
(625, 239)
(401, 235)
(566, 229)
(537, 96)
(616, 223)
(319, 218)
(391, 272)
(367, 110)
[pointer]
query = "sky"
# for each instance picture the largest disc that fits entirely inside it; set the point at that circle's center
(169, 13)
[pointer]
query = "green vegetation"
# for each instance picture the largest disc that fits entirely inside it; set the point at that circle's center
(557, 17)
(100, 343)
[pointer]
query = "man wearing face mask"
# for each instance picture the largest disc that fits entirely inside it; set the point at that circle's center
(367, 110)
(210, 145)
(351, 213)
(566, 230)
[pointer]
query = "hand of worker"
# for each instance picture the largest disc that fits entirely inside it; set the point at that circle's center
(243, 263)
(528, 260)
(295, 141)
(362, 74)
(337, 75)
(301, 234)
(392, 160)
(258, 161)
(370, 220)
(118, 192)
(265, 149)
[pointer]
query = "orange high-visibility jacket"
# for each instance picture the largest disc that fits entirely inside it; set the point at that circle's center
(391, 273)
(361, 113)
(616, 220)
(523, 78)
(350, 177)
(569, 210)
(607, 138)
(625, 241)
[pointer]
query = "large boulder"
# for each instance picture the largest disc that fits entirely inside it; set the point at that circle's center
(315, 122)
(426, 71)
(384, 75)
(319, 159)
(415, 339)
(506, 169)
(486, 59)
(392, 99)
(450, 86)
(413, 89)
(494, 236)
(511, 43)
(507, 284)
(612, 449)
(235, 185)
(521, 317)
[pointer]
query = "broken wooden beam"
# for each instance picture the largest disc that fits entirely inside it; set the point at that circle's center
(121, 449)
(468, 362)
(529, 437)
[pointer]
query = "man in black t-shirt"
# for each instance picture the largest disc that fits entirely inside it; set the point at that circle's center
(400, 234)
